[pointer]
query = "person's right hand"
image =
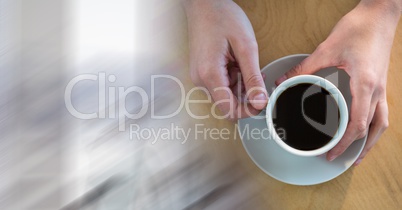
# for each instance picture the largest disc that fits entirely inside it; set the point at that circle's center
(360, 44)
(222, 46)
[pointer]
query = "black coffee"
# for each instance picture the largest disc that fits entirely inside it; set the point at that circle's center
(308, 116)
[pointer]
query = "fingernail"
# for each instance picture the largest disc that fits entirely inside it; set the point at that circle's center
(331, 158)
(281, 79)
(259, 101)
(358, 162)
(260, 97)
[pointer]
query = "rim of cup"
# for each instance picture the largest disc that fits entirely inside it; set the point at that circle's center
(336, 94)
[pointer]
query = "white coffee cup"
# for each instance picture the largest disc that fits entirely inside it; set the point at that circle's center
(335, 93)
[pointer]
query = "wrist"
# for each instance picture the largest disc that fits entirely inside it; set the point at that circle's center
(188, 4)
(379, 16)
(384, 14)
(387, 7)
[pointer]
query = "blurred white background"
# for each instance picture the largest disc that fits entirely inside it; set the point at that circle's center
(52, 160)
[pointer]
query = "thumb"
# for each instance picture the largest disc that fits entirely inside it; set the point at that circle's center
(309, 65)
(247, 57)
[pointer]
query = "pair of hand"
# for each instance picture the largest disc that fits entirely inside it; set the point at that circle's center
(223, 44)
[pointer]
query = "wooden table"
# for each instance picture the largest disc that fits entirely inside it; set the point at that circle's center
(295, 26)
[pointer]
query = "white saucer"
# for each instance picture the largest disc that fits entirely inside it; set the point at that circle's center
(278, 163)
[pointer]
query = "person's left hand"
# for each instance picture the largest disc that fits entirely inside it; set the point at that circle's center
(360, 44)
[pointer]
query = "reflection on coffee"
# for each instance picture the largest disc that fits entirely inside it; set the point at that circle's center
(309, 115)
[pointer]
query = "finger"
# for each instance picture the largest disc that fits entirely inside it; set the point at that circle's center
(377, 128)
(357, 126)
(234, 75)
(313, 63)
(373, 108)
(195, 78)
(224, 99)
(238, 90)
(246, 54)
(236, 84)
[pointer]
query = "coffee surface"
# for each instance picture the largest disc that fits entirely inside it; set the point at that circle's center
(309, 116)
